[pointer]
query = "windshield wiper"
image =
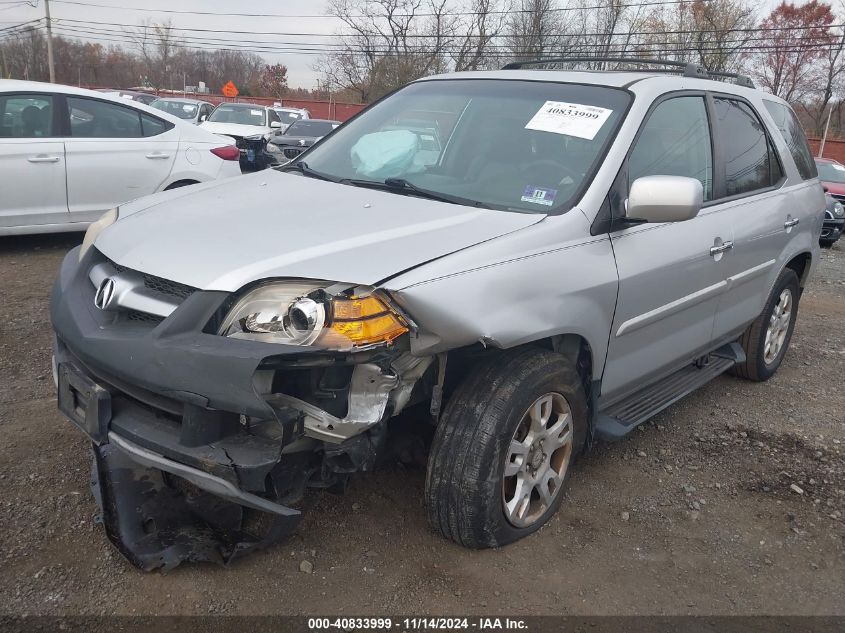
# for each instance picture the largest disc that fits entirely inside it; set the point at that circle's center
(303, 168)
(400, 185)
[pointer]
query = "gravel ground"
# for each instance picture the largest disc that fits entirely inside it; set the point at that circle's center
(697, 513)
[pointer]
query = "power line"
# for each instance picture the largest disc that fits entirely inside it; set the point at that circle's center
(430, 36)
(611, 50)
(279, 45)
(400, 15)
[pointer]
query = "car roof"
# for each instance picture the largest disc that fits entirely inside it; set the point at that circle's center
(243, 105)
(18, 85)
(659, 82)
(315, 121)
(181, 100)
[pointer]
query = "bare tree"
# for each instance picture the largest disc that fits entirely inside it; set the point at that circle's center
(387, 43)
(157, 43)
(476, 49)
(536, 29)
(714, 33)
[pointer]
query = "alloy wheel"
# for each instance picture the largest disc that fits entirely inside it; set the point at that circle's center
(537, 459)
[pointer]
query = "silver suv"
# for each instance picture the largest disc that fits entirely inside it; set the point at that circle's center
(521, 262)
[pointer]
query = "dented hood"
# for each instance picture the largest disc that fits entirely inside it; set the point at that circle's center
(223, 235)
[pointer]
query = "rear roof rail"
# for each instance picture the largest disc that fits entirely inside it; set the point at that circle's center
(687, 69)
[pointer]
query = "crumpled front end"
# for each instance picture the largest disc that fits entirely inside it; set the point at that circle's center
(195, 432)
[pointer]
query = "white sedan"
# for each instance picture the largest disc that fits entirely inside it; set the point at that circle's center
(68, 155)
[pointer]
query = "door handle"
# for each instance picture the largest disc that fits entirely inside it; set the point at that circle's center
(158, 155)
(43, 159)
(790, 223)
(725, 246)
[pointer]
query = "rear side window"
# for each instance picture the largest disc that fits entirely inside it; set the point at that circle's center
(675, 141)
(26, 116)
(151, 126)
(90, 118)
(750, 163)
(797, 143)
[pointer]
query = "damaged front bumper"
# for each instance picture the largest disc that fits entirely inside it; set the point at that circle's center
(252, 424)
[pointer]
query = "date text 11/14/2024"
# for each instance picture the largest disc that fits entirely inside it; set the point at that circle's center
(418, 624)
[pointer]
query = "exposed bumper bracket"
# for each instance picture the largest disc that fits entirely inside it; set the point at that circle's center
(158, 525)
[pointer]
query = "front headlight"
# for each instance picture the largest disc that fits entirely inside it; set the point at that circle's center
(108, 218)
(838, 210)
(306, 313)
(273, 148)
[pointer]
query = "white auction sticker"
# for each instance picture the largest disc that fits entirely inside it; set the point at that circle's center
(572, 119)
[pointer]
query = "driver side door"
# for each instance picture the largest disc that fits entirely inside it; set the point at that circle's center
(670, 278)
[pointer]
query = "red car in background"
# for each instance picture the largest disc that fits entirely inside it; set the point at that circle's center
(832, 175)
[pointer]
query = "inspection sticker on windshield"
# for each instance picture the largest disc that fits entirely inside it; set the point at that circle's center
(538, 195)
(572, 119)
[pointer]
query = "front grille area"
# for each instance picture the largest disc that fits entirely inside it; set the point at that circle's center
(162, 286)
(292, 152)
(838, 196)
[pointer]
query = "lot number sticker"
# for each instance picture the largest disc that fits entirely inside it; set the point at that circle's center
(572, 119)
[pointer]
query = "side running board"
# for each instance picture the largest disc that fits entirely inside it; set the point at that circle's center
(622, 417)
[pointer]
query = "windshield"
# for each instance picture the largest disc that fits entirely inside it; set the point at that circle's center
(831, 172)
(289, 116)
(176, 108)
(311, 128)
(242, 115)
(514, 145)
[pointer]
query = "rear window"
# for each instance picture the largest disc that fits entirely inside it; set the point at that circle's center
(241, 115)
(799, 148)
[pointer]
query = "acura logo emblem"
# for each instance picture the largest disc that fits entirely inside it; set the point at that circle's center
(105, 294)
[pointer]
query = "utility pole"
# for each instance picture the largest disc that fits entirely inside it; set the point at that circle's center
(826, 128)
(50, 63)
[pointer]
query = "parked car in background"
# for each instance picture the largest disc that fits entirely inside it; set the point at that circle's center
(832, 175)
(834, 222)
(250, 125)
(191, 110)
(67, 155)
(132, 95)
(301, 135)
(291, 115)
(618, 240)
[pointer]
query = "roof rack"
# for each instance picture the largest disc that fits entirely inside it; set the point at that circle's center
(686, 68)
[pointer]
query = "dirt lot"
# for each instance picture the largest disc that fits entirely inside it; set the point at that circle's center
(693, 514)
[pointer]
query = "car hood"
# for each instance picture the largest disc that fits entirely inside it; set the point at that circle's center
(294, 140)
(225, 234)
(836, 188)
(235, 129)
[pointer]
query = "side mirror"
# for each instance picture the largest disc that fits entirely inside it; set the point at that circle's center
(276, 124)
(664, 199)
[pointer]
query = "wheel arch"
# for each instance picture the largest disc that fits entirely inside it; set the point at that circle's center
(574, 347)
(184, 182)
(801, 264)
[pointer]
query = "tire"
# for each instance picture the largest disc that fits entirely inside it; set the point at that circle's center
(466, 485)
(760, 364)
(827, 243)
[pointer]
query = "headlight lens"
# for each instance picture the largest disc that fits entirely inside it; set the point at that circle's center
(108, 218)
(273, 148)
(304, 313)
(838, 210)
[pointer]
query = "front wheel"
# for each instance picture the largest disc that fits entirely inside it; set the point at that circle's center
(502, 452)
(766, 340)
